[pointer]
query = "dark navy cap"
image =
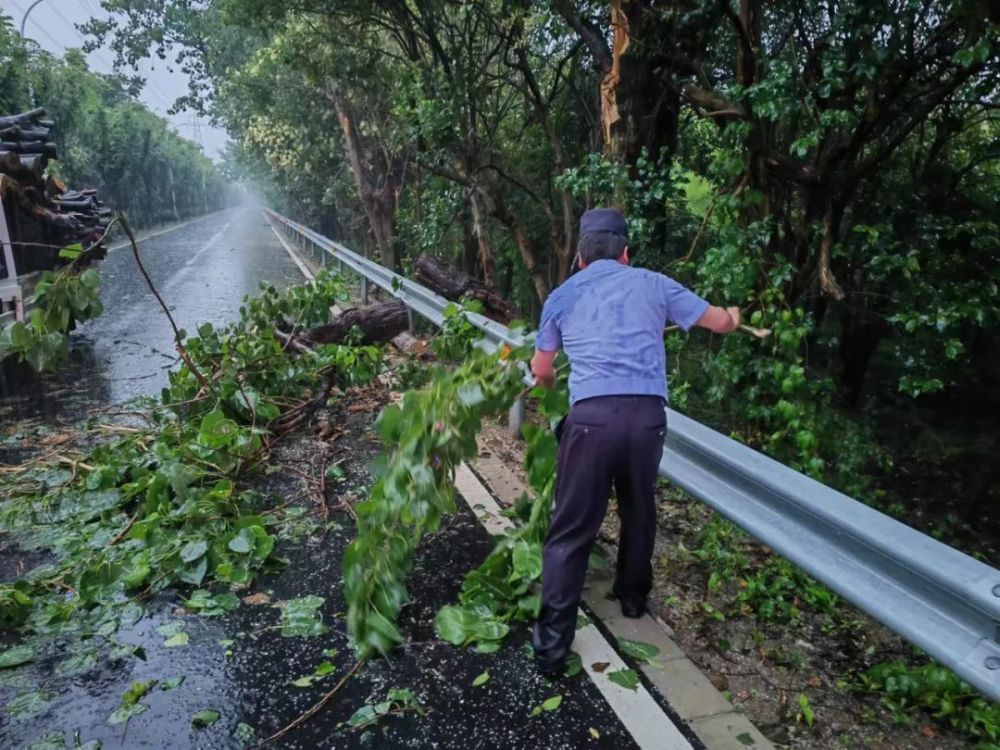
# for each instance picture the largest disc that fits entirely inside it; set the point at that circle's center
(604, 220)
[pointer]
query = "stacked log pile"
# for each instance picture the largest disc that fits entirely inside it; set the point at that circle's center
(42, 215)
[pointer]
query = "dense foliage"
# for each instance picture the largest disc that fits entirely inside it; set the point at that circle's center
(830, 168)
(62, 298)
(106, 138)
(160, 504)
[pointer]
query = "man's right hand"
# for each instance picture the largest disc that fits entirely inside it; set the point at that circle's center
(734, 313)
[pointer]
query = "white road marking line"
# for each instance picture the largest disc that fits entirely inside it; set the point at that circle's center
(294, 256)
(649, 726)
(177, 277)
(173, 228)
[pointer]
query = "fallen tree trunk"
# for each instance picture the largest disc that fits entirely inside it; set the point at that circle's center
(452, 284)
(376, 323)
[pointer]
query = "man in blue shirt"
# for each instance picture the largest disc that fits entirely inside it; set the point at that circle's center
(608, 319)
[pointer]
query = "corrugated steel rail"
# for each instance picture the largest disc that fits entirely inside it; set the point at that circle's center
(941, 600)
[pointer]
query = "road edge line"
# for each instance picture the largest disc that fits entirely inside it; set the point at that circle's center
(294, 256)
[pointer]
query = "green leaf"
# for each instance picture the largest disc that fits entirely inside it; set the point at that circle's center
(194, 573)
(644, 652)
(54, 741)
(243, 543)
(210, 606)
(551, 704)
(71, 252)
(204, 718)
(244, 734)
(481, 679)
(126, 711)
(29, 705)
(626, 678)
(171, 683)
(193, 550)
(806, 710)
(16, 656)
(574, 664)
(177, 639)
(452, 624)
(527, 560)
(324, 669)
(301, 617)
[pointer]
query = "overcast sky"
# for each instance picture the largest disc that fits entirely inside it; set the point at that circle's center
(53, 25)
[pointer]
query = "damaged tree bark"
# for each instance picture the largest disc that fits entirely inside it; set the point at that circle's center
(452, 284)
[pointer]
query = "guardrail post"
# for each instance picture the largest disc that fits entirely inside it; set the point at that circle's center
(364, 290)
(322, 257)
(515, 418)
(411, 323)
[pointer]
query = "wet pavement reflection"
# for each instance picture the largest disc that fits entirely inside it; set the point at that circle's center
(202, 270)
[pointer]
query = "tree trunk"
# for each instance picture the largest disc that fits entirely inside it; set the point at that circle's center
(639, 110)
(453, 284)
(859, 340)
(379, 203)
(482, 241)
(494, 203)
(376, 323)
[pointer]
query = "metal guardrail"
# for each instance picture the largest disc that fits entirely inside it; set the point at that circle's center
(934, 596)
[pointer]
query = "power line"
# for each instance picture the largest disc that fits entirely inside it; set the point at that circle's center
(164, 100)
(41, 28)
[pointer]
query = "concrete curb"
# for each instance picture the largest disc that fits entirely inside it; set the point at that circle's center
(677, 679)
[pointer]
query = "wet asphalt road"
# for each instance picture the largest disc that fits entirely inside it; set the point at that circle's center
(239, 664)
(202, 270)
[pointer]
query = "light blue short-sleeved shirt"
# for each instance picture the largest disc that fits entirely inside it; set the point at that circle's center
(609, 320)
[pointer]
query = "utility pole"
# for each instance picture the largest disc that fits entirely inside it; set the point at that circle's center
(24, 20)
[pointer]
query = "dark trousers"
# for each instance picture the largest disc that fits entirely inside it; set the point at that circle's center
(611, 441)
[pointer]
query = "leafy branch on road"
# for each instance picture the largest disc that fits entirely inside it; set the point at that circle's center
(426, 437)
(159, 506)
(63, 298)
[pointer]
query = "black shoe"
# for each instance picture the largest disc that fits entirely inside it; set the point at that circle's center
(551, 649)
(552, 668)
(632, 607)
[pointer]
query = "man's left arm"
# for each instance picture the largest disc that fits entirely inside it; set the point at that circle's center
(547, 344)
